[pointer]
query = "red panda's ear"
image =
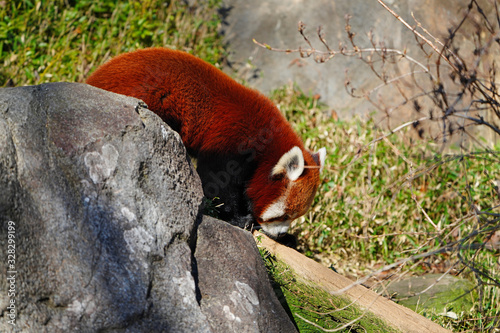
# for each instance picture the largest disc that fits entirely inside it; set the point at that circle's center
(319, 158)
(290, 164)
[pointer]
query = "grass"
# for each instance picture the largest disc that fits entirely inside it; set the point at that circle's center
(379, 203)
(50, 41)
(311, 307)
(386, 201)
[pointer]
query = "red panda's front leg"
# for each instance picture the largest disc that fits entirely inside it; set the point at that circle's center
(224, 180)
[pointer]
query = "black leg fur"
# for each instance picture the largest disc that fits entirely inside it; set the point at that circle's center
(225, 178)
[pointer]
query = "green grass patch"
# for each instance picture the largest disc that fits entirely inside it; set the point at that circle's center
(312, 308)
(51, 41)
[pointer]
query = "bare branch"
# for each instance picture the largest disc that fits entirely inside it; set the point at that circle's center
(305, 53)
(400, 19)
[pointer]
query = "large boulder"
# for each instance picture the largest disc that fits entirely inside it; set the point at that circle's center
(99, 212)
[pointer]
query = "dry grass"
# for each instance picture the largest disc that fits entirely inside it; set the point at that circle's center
(397, 201)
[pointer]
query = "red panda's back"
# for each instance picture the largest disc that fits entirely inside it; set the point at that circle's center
(208, 108)
(157, 75)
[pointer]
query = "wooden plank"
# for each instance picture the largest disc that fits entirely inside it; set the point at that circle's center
(393, 314)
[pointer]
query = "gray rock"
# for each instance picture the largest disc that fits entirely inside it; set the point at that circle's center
(433, 291)
(103, 203)
(233, 295)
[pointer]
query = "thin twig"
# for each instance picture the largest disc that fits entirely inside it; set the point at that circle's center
(308, 52)
(428, 42)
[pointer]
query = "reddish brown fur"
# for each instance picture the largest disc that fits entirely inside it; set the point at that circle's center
(214, 115)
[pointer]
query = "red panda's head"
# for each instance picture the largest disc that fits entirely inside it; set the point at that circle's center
(285, 192)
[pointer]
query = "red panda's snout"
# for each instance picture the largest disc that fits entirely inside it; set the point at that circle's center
(289, 192)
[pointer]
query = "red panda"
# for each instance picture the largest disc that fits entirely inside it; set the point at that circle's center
(248, 155)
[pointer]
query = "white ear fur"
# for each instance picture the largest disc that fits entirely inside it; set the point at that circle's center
(322, 156)
(291, 163)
